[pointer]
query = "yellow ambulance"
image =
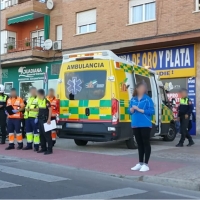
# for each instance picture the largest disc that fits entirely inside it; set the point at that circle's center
(94, 91)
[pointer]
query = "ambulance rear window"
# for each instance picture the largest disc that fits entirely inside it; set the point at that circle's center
(85, 85)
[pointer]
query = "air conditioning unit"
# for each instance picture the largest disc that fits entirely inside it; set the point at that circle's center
(57, 45)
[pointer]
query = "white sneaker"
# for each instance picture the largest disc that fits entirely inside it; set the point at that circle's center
(136, 167)
(144, 168)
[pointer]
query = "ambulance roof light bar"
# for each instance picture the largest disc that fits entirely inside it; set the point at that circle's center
(81, 56)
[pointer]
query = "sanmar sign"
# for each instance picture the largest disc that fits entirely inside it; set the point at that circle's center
(29, 73)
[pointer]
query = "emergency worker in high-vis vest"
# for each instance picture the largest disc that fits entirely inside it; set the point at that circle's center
(184, 112)
(44, 116)
(30, 116)
(55, 111)
(14, 120)
(3, 116)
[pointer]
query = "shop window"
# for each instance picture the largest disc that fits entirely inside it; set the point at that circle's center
(26, 85)
(197, 2)
(142, 11)
(55, 69)
(146, 80)
(53, 83)
(86, 21)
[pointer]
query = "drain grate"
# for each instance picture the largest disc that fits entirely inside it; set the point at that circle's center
(7, 161)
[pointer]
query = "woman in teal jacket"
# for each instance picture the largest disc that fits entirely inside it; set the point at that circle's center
(141, 110)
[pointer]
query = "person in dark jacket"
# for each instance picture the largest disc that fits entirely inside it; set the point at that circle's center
(23, 121)
(184, 113)
(3, 116)
(141, 109)
(192, 119)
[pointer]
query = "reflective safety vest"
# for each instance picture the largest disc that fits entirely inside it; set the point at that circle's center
(54, 105)
(32, 103)
(184, 101)
(3, 98)
(42, 104)
(15, 102)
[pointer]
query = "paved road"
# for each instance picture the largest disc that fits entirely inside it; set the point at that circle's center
(24, 179)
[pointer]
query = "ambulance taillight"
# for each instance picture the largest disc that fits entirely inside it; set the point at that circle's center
(58, 114)
(115, 111)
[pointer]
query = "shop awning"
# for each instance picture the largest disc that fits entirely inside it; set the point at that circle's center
(21, 18)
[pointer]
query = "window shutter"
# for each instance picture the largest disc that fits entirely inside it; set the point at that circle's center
(139, 2)
(34, 35)
(59, 32)
(86, 17)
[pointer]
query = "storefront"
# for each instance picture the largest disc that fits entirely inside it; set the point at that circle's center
(43, 75)
(176, 67)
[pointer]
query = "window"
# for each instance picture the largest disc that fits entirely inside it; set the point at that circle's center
(86, 21)
(53, 83)
(59, 32)
(85, 85)
(8, 3)
(55, 69)
(142, 10)
(8, 86)
(11, 41)
(37, 38)
(145, 80)
(163, 95)
(26, 85)
(197, 5)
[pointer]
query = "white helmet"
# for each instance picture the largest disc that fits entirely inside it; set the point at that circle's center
(2, 88)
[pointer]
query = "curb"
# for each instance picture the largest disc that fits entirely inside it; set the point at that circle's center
(176, 183)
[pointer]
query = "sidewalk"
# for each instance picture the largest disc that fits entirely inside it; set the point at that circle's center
(177, 167)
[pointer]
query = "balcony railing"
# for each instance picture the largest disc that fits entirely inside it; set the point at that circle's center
(9, 3)
(22, 45)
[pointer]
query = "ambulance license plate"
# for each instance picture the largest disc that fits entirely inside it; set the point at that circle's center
(74, 125)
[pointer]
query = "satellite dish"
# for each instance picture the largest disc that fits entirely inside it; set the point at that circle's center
(50, 4)
(48, 44)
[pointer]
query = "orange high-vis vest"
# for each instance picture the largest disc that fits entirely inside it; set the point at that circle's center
(54, 105)
(16, 103)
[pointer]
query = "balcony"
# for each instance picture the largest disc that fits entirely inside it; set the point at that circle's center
(24, 52)
(20, 7)
(22, 45)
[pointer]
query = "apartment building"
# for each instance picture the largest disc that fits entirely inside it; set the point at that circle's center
(161, 34)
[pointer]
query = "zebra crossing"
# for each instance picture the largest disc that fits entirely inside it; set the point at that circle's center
(31, 174)
(124, 192)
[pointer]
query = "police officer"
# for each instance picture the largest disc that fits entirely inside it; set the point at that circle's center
(184, 113)
(14, 120)
(55, 111)
(44, 116)
(23, 121)
(3, 116)
(30, 115)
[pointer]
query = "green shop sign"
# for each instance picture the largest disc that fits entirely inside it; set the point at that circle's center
(24, 77)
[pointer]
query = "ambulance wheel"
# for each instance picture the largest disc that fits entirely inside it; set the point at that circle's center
(171, 135)
(131, 143)
(80, 142)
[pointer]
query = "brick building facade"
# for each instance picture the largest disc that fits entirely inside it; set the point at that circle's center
(127, 27)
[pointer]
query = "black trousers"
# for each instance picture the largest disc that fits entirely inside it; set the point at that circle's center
(184, 130)
(3, 118)
(142, 136)
(45, 137)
